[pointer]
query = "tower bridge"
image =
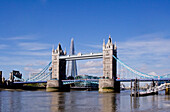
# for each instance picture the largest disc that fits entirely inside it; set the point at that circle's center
(110, 81)
(59, 59)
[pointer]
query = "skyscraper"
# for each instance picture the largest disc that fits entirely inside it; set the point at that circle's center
(72, 67)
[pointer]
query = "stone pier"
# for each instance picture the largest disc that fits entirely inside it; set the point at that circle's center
(109, 85)
(54, 85)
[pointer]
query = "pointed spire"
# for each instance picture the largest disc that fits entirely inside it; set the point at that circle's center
(109, 36)
(72, 50)
(53, 48)
(104, 46)
(103, 42)
(59, 47)
(110, 40)
(65, 52)
(72, 39)
(115, 47)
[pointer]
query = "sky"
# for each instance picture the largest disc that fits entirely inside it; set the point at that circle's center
(30, 28)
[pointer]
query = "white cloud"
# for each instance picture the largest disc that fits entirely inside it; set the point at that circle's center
(153, 53)
(34, 46)
(92, 71)
(3, 46)
(23, 61)
(24, 37)
(160, 46)
(91, 64)
(31, 53)
(91, 67)
(32, 70)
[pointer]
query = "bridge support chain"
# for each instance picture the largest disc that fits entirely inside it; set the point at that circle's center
(109, 85)
(56, 86)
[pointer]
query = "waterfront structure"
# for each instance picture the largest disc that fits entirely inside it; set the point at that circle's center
(72, 66)
(109, 66)
(109, 83)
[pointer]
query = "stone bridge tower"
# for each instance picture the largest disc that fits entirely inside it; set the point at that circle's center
(58, 71)
(109, 83)
(58, 65)
(109, 63)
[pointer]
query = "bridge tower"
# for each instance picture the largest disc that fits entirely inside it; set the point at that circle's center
(58, 66)
(58, 70)
(109, 63)
(109, 83)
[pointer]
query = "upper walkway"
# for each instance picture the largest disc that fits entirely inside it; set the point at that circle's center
(82, 56)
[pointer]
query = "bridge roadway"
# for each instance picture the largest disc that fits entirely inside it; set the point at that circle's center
(82, 56)
(95, 80)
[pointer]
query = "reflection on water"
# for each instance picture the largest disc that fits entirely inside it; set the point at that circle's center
(135, 103)
(80, 101)
(108, 102)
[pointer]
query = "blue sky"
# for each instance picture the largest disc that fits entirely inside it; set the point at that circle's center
(29, 29)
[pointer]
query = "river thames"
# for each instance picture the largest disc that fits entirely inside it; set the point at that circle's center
(80, 101)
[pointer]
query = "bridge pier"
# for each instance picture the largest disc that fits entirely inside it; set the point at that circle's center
(109, 85)
(56, 86)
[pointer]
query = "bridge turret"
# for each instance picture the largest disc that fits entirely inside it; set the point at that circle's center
(109, 84)
(109, 44)
(58, 66)
(109, 40)
(53, 49)
(109, 63)
(65, 53)
(59, 50)
(104, 46)
(115, 47)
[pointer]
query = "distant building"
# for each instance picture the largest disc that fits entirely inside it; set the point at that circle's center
(72, 66)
